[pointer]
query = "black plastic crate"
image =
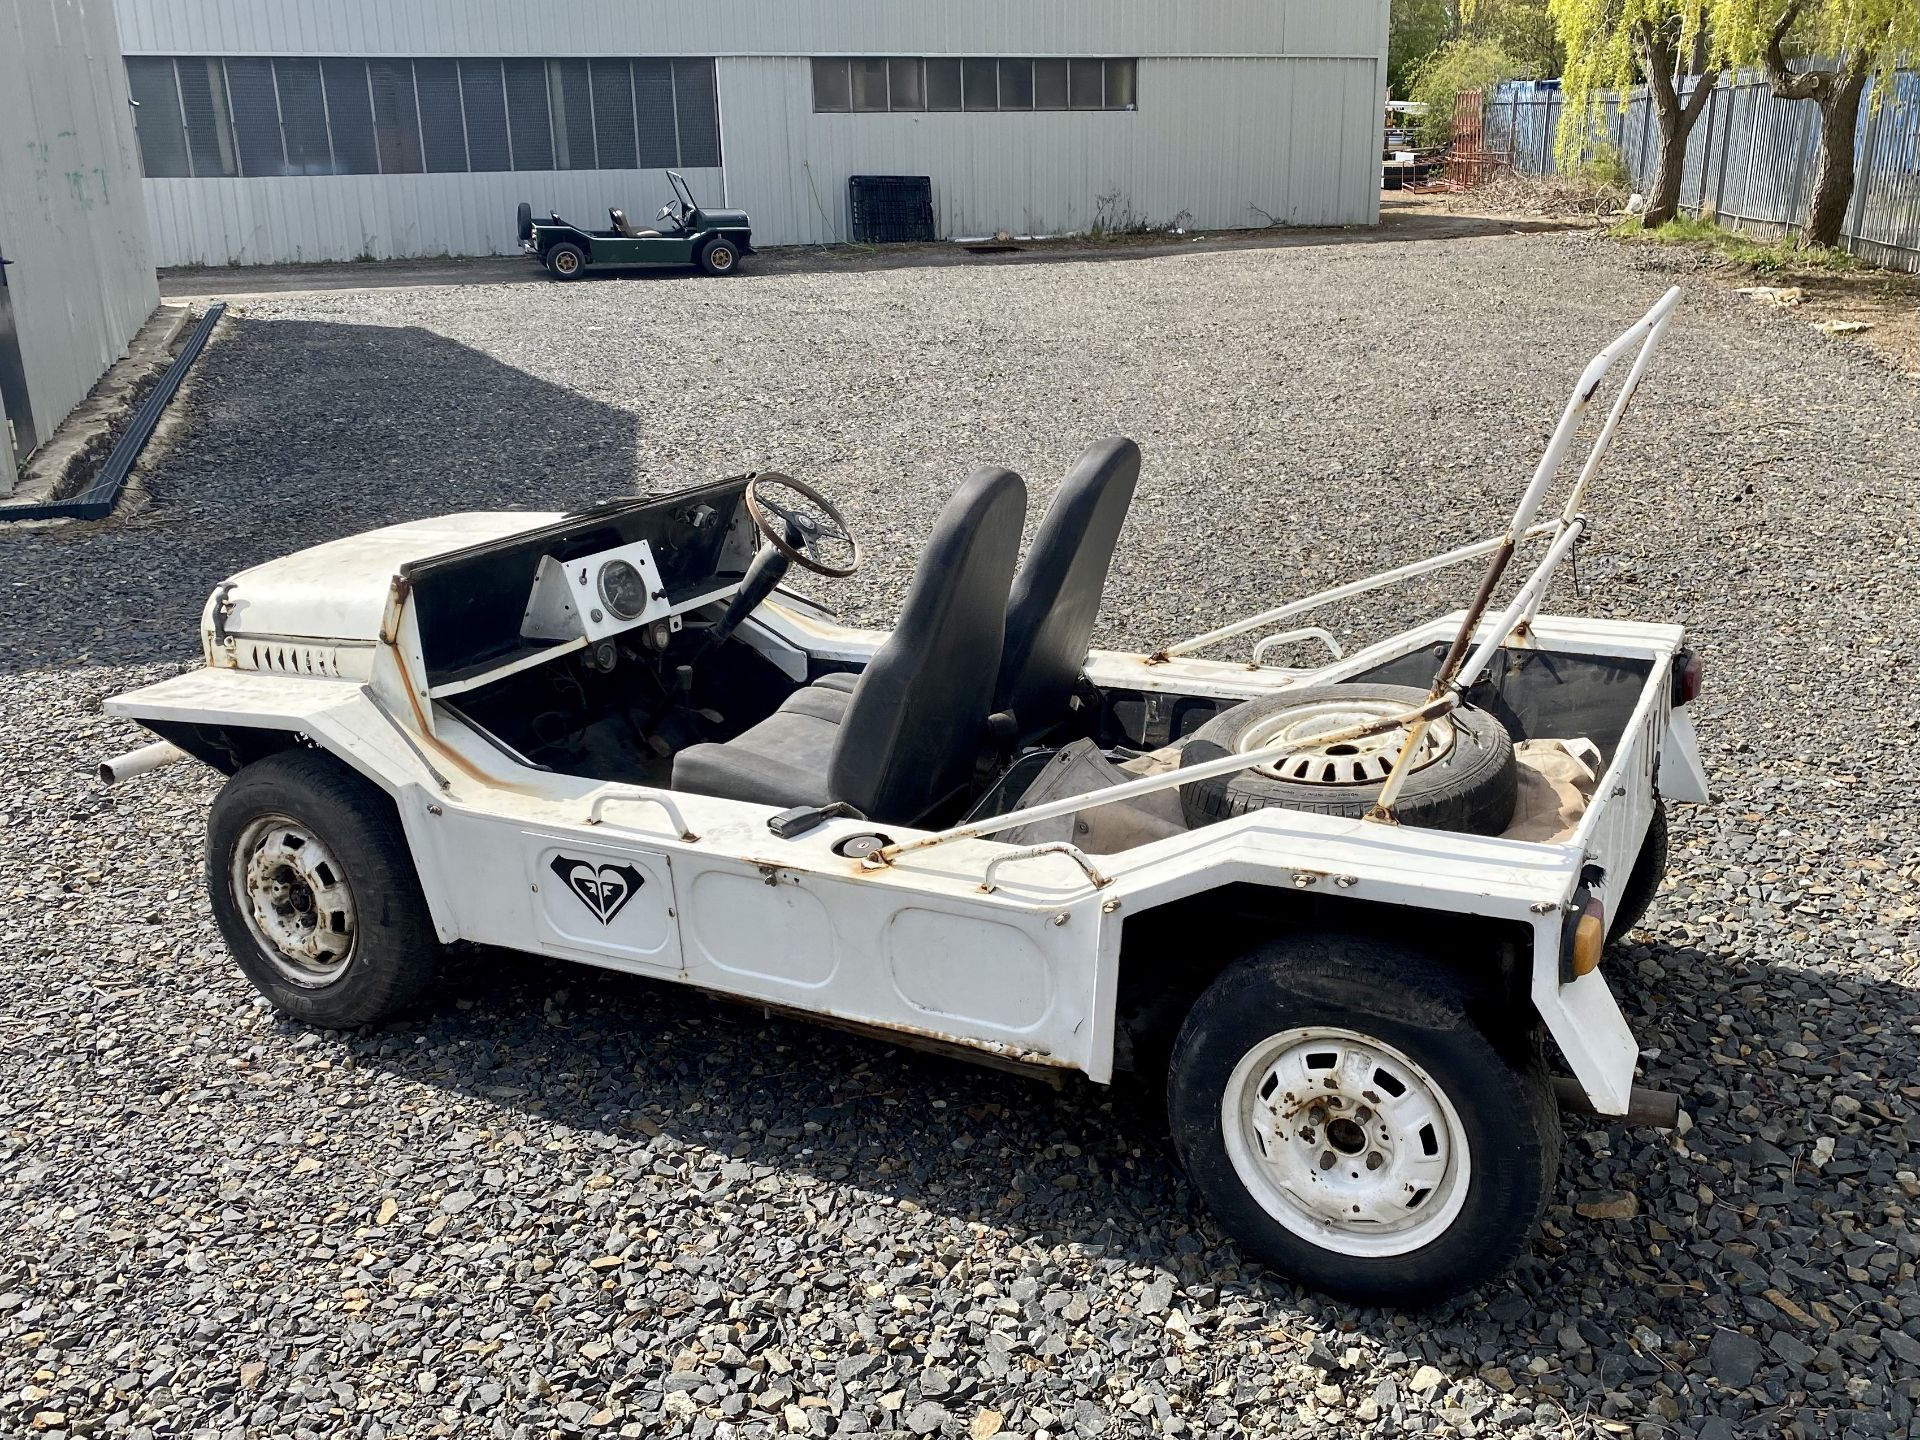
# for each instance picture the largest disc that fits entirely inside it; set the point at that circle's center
(889, 209)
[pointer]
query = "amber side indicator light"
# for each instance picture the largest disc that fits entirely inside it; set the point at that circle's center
(1585, 937)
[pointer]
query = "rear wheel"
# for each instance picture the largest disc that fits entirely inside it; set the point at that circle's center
(566, 261)
(1643, 881)
(719, 257)
(315, 893)
(1343, 1112)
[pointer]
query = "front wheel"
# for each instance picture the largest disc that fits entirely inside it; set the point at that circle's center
(315, 892)
(566, 261)
(719, 257)
(1351, 1124)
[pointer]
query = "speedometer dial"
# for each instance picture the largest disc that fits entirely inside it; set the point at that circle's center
(622, 589)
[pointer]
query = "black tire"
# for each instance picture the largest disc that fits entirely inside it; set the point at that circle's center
(719, 256)
(1643, 881)
(1472, 788)
(393, 950)
(566, 261)
(1388, 994)
(523, 222)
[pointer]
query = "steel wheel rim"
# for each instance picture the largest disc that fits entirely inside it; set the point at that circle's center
(1398, 1177)
(566, 262)
(722, 257)
(295, 900)
(1366, 761)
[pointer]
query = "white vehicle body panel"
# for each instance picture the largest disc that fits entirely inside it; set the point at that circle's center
(1013, 951)
(338, 591)
(578, 869)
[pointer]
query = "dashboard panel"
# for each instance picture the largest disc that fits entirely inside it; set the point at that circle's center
(473, 605)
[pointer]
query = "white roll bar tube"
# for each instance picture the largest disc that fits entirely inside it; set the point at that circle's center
(1458, 671)
(1410, 571)
(1647, 332)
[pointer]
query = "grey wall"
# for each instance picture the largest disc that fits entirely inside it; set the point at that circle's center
(753, 27)
(1215, 143)
(72, 217)
(1248, 109)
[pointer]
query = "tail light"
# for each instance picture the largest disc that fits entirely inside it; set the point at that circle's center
(1686, 677)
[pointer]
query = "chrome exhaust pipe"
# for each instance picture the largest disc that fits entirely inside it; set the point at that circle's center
(139, 762)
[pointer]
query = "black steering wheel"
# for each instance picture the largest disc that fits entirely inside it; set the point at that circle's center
(671, 213)
(802, 524)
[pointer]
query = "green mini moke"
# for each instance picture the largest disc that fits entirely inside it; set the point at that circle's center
(682, 234)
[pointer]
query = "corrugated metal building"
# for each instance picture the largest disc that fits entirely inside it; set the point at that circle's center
(78, 281)
(280, 130)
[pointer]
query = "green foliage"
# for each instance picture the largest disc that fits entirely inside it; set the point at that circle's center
(1415, 29)
(1522, 28)
(1604, 167)
(1418, 29)
(1779, 256)
(1882, 31)
(1603, 39)
(1458, 65)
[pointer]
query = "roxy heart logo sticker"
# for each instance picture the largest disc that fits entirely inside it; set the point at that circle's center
(603, 888)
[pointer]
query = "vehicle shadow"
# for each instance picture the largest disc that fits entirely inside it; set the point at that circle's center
(1723, 1215)
(273, 468)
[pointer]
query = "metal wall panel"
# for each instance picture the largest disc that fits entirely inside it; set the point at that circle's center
(1225, 134)
(1215, 143)
(295, 219)
(1349, 28)
(81, 282)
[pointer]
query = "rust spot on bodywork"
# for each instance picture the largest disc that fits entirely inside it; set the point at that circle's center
(995, 1054)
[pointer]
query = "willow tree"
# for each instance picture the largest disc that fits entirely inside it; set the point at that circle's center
(1846, 43)
(1610, 44)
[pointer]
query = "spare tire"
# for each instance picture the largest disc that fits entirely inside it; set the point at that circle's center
(523, 222)
(1464, 778)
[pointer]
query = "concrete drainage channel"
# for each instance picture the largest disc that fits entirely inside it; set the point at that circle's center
(99, 496)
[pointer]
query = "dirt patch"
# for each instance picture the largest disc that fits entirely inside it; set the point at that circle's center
(1878, 310)
(1887, 304)
(70, 459)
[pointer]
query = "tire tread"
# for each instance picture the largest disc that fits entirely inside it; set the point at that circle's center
(399, 948)
(1398, 986)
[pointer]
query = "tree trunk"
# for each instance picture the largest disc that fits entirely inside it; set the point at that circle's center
(1833, 181)
(1674, 115)
(1670, 163)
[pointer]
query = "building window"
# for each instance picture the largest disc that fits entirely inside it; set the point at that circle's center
(443, 127)
(205, 116)
(943, 84)
(909, 83)
(1016, 84)
(905, 90)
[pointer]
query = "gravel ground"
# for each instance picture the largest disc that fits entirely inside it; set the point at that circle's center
(564, 1202)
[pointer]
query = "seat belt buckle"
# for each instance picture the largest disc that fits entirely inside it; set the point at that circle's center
(801, 818)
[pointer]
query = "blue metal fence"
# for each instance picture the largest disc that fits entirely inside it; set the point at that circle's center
(1750, 159)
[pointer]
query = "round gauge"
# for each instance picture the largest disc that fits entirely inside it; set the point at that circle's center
(623, 589)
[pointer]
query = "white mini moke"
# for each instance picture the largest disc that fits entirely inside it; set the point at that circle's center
(1344, 907)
